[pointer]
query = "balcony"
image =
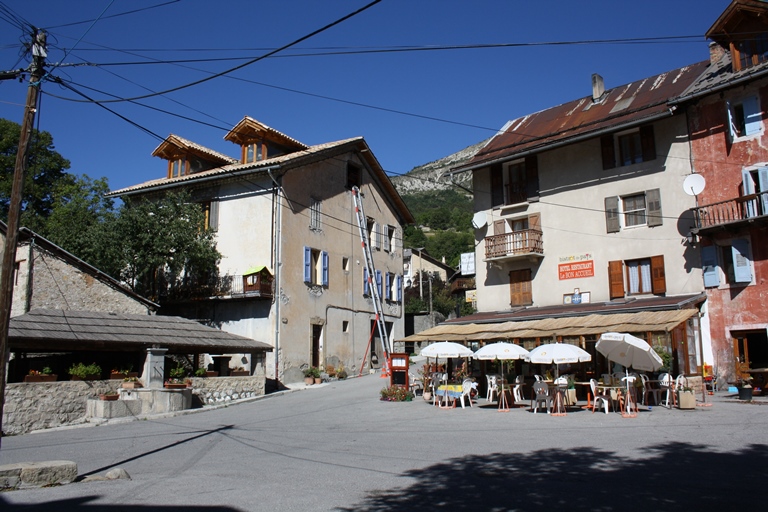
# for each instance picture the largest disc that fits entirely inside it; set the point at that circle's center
(462, 284)
(523, 243)
(254, 286)
(732, 213)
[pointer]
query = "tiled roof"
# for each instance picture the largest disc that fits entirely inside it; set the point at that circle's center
(183, 143)
(624, 106)
(249, 124)
(719, 76)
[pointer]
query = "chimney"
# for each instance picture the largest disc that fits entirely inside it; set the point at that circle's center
(716, 52)
(598, 87)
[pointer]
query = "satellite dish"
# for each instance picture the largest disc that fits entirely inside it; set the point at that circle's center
(479, 220)
(694, 184)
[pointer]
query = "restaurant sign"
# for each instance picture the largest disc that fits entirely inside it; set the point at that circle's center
(576, 269)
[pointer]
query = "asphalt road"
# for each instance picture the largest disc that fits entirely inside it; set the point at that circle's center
(337, 447)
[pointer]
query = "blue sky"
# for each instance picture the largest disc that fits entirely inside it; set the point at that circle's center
(412, 107)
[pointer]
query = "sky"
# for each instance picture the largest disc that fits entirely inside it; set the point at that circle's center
(418, 79)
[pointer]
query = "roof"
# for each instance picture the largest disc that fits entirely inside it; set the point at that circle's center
(621, 107)
(412, 253)
(249, 128)
(168, 149)
(26, 234)
(56, 330)
(282, 163)
(645, 321)
(601, 308)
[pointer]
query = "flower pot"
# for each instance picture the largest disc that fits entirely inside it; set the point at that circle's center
(108, 398)
(309, 381)
(745, 393)
(40, 378)
(318, 380)
(427, 396)
(131, 385)
(686, 400)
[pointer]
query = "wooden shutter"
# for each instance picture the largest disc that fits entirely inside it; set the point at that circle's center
(532, 177)
(385, 237)
(399, 288)
(378, 282)
(520, 289)
(608, 151)
(648, 143)
(616, 279)
(658, 278)
(497, 185)
(742, 270)
(388, 286)
(653, 205)
(612, 222)
(213, 216)
(753, 119)
(324, 259)
(709, 266)
(307, 264)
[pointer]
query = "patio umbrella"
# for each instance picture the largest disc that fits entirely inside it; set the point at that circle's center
(559, 353)
(629, 351)
(447, 349)
(503, 352)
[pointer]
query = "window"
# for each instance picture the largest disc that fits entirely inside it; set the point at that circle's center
(178, 168)
(755, 182)
(315, 267)
(750, 52)
(345, 326)
(517, 182)
(636, 277)
(733, 259)
(314, 214)
(389, 239)
(744, 118)
(393, 284)
(520, 288)
(211, 214)
(254, 152)
(374, 235)
(642, 209)
(635, 146)
(345, 264)
(354, 176)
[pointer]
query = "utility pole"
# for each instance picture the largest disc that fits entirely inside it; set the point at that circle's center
(14, 211)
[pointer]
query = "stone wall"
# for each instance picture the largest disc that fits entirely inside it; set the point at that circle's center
(33, 406)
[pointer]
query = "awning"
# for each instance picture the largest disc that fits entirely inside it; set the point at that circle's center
(570, 326)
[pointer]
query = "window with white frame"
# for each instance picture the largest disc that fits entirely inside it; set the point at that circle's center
(633, 208)
(637, 276)
(316, 267)
(639, 209)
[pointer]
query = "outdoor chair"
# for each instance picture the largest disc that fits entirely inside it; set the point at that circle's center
(414, 383)
(648, 391)
(436, 381)
(605, 399)
(667, 386)
(466, 391)
(538, 378)
(517, 391)
(681, 382)
(541, 396)
(493, 386)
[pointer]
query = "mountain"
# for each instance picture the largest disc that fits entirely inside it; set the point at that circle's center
(428, 177)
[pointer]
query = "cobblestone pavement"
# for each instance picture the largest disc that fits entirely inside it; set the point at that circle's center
(337, 447)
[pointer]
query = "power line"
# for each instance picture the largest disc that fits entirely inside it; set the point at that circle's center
(134, 11)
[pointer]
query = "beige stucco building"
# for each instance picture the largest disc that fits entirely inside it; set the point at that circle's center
(292, 269)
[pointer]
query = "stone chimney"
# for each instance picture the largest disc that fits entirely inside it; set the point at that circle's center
(716, 52)
(598, 87)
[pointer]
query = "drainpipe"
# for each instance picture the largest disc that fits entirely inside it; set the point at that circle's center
(277, 240)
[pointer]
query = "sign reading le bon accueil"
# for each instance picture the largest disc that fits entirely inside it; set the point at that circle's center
(574, 267)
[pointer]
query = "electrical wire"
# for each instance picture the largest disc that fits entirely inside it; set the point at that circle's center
(134, 11)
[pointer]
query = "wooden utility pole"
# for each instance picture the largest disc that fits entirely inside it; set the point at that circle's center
(14, 211)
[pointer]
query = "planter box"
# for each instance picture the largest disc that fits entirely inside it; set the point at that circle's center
(40, 378)
(109, 398)
(87, 377)
(121, 376)
(175, 386)
(211, 374)
(239, 374)
(132, 385)
(686, 400)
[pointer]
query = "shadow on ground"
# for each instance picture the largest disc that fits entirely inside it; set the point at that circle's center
(678, 476)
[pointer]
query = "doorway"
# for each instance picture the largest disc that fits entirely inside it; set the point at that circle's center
(317, 332)
(750, 351)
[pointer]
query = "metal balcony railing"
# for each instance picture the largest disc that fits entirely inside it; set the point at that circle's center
(222, 287)
(517, 243)
(732, 210)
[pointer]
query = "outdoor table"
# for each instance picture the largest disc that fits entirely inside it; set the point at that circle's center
(558, 400)
(449, 393)
(589, 393)
(615, 391)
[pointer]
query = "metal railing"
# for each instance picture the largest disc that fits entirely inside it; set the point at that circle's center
(526, 241)
(731, 210)
(220, 287)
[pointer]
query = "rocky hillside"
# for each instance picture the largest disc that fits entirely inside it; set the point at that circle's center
(428, 177)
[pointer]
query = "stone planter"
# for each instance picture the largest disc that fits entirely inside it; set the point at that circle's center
(40, 378)
(686, 400)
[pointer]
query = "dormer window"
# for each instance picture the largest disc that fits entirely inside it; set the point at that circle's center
(254, 152)
(178, 167)
(750, 52)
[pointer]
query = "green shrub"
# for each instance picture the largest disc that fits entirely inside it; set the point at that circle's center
(83, 371)
(396, 394)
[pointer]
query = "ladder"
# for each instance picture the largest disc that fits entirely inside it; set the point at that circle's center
(362, 224)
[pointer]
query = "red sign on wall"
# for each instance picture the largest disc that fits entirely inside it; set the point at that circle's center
(576, 270)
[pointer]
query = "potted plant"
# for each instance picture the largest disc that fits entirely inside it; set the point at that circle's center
(341, 372)
(123, 373)
(201, 372)
(176, 380)
(317, 375)
(131, 383)
(82, 371)
(44, 375)
(238, 371)
(109, 396)
(396, 394)
(744, 386)
(685, 398)
(309, 376)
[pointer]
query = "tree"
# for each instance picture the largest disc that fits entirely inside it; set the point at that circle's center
(46, 170)
(164, 245)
